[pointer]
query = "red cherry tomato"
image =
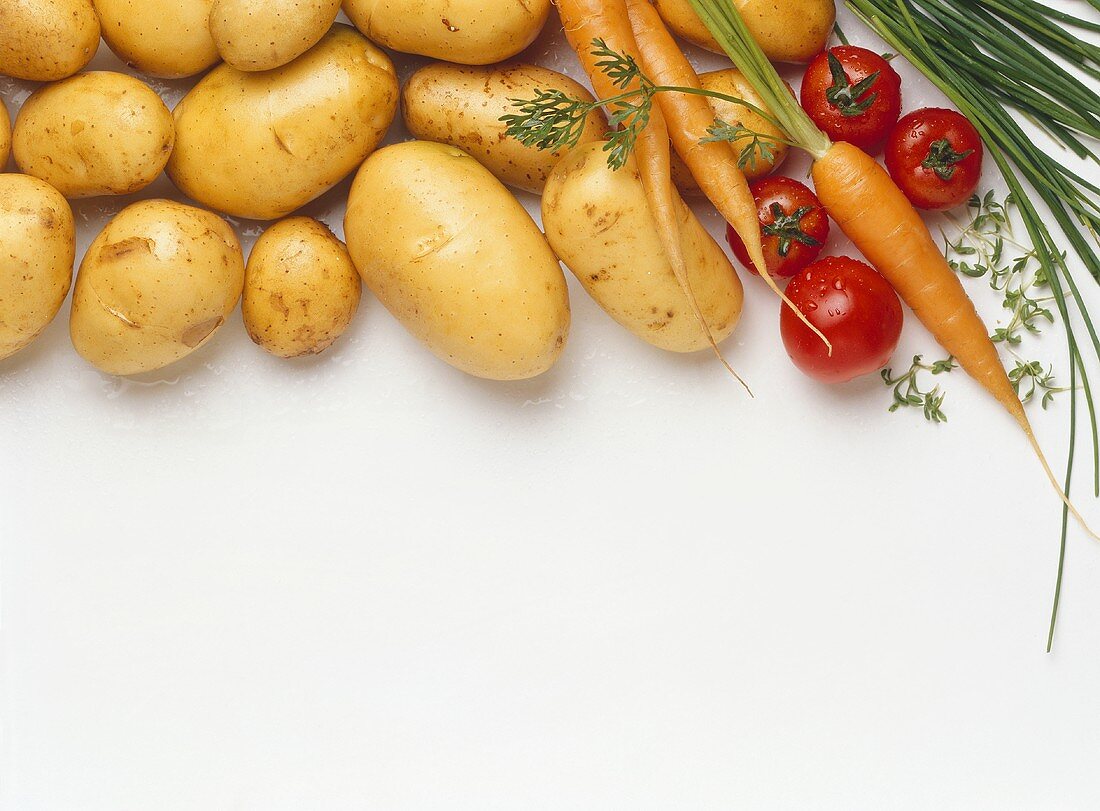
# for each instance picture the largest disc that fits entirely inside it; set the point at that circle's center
(853, 95)
(854, 307)
(793, 223)
(935, 157)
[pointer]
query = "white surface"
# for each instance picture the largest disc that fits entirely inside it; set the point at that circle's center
(366, 581)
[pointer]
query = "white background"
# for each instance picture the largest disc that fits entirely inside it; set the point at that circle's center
(367, 581)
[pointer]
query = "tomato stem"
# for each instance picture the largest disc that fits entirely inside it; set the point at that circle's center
(943, 159)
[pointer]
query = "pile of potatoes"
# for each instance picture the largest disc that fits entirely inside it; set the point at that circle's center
(291, 102)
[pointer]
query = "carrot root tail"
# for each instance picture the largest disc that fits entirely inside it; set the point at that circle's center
(768, 280)
(1035, 446)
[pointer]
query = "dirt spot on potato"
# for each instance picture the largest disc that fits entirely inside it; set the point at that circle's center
(117, 250)
(200, 332)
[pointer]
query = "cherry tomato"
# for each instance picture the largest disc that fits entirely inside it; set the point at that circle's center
(853, 95)
(935, 157)
(854, 307)
(793, 223)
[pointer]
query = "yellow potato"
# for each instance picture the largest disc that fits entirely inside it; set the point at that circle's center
(470, 32)
(166, 38)
(95, 133)
(46, 40)
(787, 30)
(37, 250)
(266, 34)
(462, 106)
(5, 135)
(458, 261)
(733, 83)
(301, 289)
(155, 285)
(260, 145)
(598, 221)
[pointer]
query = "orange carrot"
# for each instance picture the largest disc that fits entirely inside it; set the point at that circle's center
(873, 212)
(585, 21)
(713, 164)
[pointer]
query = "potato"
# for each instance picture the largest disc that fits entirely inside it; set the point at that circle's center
(95, 133)
(301, 289)
(37, 250)
(733, 83)
(5, 135)
(260, 145)
(462, 106)
(47, 40)
(267, 34)
(458, 261)
(155, 285)
(470, 32)
(598, 221)
(166, 38)
(787, 30)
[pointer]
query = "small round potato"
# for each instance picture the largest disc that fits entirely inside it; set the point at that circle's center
(95, 133)
(47, 40)
(166, 38)
(733, 83)
(155, 285)
(462, 106)
(37, 251)
(260, 145)
(599, 222)
(458, 261)
(470, 32)
(301, 289)
(787, 30)
(5, 135)
(267, 34)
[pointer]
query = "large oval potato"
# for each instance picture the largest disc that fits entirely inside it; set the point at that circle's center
(787, 30)
(267, 34)
(155, 285)
(260, 145)
(301, 289)
(47, 40)
(37, 251)
(462, 106)
(454, 256)
(94, 133)
(166, 38)
(732, 82)
(470, 32)
(598, 221)
(5, 135)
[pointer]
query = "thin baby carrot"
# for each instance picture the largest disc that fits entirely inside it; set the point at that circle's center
(607, 20)
(713, 164)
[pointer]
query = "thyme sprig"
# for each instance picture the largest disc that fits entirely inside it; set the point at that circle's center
(908, 392)
(556, 121)
(1030, 378)
(979, 251)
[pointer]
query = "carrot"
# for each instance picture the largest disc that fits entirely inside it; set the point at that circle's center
(874, 213)
(713, 164)
(607, 20)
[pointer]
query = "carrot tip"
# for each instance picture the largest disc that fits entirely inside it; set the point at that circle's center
(1054, 480)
